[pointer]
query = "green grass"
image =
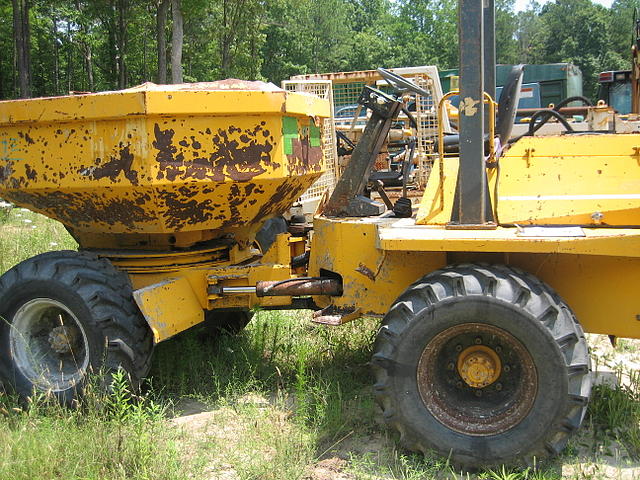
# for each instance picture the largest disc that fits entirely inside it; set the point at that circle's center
(112, 436)
(283, 400)
(24, 234)
(614, 413)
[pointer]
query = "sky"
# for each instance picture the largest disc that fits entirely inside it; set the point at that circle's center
(522, 4)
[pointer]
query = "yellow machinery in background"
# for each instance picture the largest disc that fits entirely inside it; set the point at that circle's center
(175, 196)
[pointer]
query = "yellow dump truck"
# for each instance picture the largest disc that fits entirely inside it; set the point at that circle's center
(485, 287)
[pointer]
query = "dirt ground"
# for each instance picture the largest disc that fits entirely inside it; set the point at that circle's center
(589, 458)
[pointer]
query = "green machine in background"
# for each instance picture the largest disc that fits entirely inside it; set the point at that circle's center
(557, 80)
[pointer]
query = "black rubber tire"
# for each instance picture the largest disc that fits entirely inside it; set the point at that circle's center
(494, 296)
(100, 298)
(220, 322)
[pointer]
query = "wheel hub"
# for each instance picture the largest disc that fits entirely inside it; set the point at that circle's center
(477, 379)
(48, 345)
(479, 366)
(63, 338)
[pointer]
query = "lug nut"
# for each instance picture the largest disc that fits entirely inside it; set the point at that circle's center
(458, 348)
(477, 340)
(478, 393)
(459, 384)
(507, 368)
(498, 387)
(451, 366)
(498, 349)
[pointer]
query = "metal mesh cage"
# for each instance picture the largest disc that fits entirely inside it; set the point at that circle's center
(322, 89)
(426, 116)
(347, 87)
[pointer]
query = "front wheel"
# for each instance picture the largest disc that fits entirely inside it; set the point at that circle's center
(484, 364)
(65, 315)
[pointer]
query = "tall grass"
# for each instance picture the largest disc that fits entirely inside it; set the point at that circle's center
(113, 435)
(296, 393)
(24, 234)
(614, 413)
(283, 397)
(324, 372)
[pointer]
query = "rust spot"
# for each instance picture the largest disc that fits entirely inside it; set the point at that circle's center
(305, 158)
(235, 200)
(366, 271)
(31, 173)
(284, 195)
(249, 188)
(26, 137)
(180, 210)
(164, 144)
(239, 159)
(78, 209)
(6, 171)
(117, 164)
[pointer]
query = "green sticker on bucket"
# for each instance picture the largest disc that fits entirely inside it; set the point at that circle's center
(314, 135)
(290, 133)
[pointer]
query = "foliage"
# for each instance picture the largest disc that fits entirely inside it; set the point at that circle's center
(615, 412)
(577, 31)
(82, 45)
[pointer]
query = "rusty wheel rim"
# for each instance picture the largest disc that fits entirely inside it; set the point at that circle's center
(477, 379)
(49, 345)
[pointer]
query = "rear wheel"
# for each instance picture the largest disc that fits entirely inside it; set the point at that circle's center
(485, 365)
(65, 315)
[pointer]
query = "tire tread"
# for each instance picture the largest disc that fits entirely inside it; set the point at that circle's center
(529, 293)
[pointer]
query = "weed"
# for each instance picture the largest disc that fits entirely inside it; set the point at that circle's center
(5, 211)
(504, 473)
(285, 396)
(615, 413)
(111, 435)
(25, 234)
(625, 345)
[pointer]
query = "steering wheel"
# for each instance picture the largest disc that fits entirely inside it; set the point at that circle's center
(401, 83)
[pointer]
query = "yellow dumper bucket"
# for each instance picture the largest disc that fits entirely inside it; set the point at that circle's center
(160, 165)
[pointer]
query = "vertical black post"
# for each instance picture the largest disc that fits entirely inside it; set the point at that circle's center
(471, 203)
(490, 48)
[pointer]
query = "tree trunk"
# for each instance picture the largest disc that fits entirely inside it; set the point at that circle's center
(161, 22)
(177, 35)
(121, 37)
(56, 55)
(89, 62)
(225, 41)
(20, 10)
(87, 53)
(69, 60)
(26, 34)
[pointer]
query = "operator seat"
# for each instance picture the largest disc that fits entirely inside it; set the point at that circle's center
(506, 116)
(508, 104)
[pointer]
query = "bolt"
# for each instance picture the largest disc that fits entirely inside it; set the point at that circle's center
(477, 340)
(498, 386)
(478, 393)
(458, 348)
(597, 217)
(459, 384)
(498, 349)
(507, 368)
(451, 366)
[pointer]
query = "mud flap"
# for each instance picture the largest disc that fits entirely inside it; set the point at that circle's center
(169, 307)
